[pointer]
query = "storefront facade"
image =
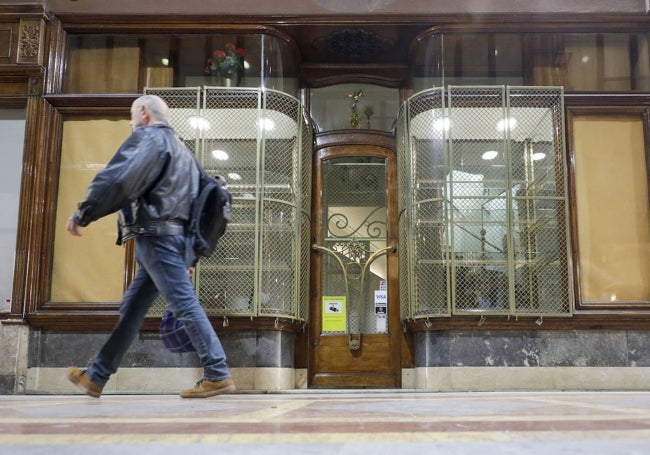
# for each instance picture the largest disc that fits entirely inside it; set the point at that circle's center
(434, 198)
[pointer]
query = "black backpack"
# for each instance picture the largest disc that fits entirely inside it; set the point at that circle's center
(210, 214)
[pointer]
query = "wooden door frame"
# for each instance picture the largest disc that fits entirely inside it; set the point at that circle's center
(323, 150)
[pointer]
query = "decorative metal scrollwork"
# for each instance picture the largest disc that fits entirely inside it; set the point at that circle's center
(338, 226)
(354, 258)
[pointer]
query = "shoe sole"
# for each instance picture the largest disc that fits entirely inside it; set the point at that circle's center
(81, 387)
(210, 393)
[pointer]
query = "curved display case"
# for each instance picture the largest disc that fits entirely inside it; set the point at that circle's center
(261, 142)
(483, 203)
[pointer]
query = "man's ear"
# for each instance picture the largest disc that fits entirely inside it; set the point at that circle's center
(145, 115)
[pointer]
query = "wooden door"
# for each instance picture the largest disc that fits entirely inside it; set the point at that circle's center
(355, 330)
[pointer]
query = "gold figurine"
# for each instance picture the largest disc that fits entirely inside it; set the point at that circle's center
(355, 118)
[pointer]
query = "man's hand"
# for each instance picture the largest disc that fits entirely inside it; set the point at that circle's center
(73, 228)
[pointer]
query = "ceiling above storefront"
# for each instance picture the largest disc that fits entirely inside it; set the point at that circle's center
(336, 7)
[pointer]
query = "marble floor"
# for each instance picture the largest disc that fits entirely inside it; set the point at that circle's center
(329, 422)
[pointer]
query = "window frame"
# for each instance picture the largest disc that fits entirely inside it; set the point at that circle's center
(605, 105)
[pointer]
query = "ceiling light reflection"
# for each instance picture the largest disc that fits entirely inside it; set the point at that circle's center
(266, 124)
(442, 123)
(490, 155)
(509, 123)
(219, 155)
(199, 123)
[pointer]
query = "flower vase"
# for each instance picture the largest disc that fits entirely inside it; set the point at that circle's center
(229, 80)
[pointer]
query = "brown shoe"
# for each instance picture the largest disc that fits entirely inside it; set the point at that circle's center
(79, 378)
(205, 388)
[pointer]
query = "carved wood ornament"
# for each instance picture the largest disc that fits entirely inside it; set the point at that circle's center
(30, 37)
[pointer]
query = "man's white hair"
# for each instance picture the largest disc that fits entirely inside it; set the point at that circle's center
(158, 109)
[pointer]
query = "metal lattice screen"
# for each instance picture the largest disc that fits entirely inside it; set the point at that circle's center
(404, 182)
(261, 142)
(483, 202)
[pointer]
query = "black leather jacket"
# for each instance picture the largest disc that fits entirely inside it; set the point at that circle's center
(152, 180)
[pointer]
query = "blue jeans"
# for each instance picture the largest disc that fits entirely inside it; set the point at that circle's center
(163, 268)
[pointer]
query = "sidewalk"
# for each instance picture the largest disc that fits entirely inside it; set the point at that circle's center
(330, 422)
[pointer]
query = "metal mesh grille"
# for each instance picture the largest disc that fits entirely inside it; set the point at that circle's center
(280, 230)
(404, 183)
(260, 141)
(184, 112)
(483, 202)
(306, 138)
(540, 234)
(423, 163)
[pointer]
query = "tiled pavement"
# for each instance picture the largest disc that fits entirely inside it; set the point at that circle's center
(329, 422)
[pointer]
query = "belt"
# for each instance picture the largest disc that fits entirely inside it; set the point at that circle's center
(167, 227)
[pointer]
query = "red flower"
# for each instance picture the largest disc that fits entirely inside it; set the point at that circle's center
(228, 61)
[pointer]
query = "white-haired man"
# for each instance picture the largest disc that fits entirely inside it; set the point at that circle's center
(151, 182)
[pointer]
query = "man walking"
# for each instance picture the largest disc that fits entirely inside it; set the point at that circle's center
(151, 180)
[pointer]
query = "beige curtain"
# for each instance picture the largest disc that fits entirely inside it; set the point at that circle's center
(612, 208)
(88, 268)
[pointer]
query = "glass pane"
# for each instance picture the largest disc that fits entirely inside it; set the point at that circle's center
(128, 63)
(577, 61)
(334, 107)
(354, 201)
(102, 64)
(12, 130)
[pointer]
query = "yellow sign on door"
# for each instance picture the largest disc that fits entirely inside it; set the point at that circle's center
(334, 314)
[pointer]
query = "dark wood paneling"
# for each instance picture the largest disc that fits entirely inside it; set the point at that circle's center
(20, 82)
(92, 104)
(103, 317)
(355, 137)
(7, 42)
(581, 320)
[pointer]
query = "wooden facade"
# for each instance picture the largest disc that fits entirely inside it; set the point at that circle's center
(34, 70)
